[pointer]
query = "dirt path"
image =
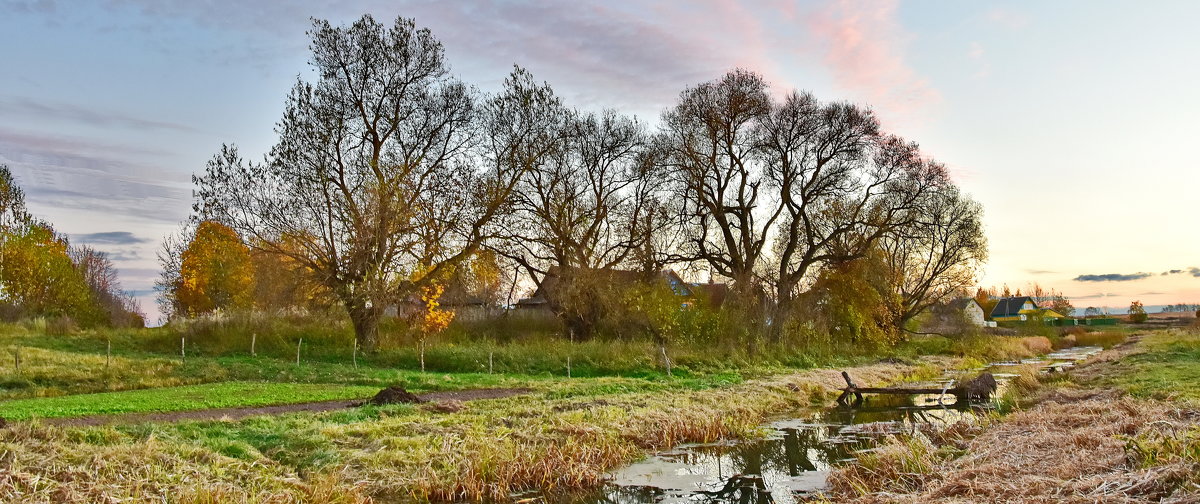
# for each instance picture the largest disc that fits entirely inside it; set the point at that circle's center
(239, 413)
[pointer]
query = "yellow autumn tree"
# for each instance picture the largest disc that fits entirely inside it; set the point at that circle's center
(283, 283)
(432, 319)
(215, 271)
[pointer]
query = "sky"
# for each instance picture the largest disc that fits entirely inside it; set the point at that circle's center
(1070, 121)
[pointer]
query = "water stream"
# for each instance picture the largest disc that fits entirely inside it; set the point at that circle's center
(795, 458)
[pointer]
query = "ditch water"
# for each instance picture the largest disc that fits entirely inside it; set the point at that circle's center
(794, 459)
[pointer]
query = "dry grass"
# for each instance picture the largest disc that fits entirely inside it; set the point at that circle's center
(1104, 339)
(1073, 447)
(1038, 344)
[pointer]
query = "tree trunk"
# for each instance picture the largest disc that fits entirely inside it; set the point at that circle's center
(366, 323)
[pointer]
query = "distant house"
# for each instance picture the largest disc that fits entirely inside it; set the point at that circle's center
(551, 283)
(970, 309)
(1016, 309)
(950, 316)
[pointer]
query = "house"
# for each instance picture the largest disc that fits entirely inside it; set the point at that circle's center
(1021, 308)
(950, 317)
(970, 309)
(540, 300)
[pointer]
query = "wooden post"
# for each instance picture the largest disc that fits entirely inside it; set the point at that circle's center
(108, 354)
(422, 355)
(490, 368)
(298, 343)
(568, 366)
(666, 360)
(253, 343)
(354, 355)
(183, 348)
(17, 359)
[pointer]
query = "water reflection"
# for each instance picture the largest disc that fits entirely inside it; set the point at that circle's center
(793, 461)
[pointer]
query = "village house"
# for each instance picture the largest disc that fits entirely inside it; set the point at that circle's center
(970, 310)
(688, 292)
(1019, 309)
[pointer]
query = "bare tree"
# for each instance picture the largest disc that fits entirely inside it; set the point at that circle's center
(712, 147)
(583, 206)
(936, 256)
(371, 180)
(118, 306)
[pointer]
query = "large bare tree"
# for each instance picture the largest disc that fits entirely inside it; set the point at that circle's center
(583, 207)
(843, 184)
(773, 189)
(713, 150)
(372, 182)
(938, 254)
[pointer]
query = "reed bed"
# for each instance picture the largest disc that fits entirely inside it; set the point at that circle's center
(1076, 445)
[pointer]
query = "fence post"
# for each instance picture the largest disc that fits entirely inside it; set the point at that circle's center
(568, 366)
(108, 355)
(183, 348)
(298, 343)
(490, 368)
(253, 343)
(354, 355)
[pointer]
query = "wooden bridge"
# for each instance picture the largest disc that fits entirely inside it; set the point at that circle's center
(978, 389)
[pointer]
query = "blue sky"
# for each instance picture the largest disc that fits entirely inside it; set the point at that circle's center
(1070, 121)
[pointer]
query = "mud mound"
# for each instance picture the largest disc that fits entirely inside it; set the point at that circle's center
(394, 395)
(981, 388)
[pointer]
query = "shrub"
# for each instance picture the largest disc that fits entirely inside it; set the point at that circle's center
(61, 326)
(1105, 339)
(1037, 344)
(1137, 313)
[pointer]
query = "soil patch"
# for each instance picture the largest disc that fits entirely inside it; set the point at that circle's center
(310, 407)
(394, 395)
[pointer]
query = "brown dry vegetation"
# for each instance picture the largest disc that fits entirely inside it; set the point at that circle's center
(1075, 445)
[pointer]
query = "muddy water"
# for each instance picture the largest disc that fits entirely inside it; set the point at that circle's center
(793, 460)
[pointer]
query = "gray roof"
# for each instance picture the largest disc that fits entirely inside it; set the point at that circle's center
(1010, 306)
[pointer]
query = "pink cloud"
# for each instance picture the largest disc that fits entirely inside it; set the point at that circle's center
(864, 49)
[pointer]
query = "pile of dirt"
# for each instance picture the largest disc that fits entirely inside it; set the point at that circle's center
(981, 388)
(394, 395)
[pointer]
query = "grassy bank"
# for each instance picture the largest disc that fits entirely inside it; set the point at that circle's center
(564, 436)
(1102, 433)
(82, 362)
(1165, 365)
(617, 403)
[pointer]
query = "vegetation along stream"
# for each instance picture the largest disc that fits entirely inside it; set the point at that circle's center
(793, 460)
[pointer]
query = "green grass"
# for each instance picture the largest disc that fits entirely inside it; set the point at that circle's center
(185, 398)
(1168, 368)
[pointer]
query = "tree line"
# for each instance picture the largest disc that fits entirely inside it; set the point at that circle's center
(390, 176)
(43, 275)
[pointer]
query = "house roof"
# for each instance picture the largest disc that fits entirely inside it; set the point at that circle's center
(963, 302)
(1010, 306)
(615, 276)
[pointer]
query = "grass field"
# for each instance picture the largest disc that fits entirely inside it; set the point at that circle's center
(185, 398)
(1166, 366)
